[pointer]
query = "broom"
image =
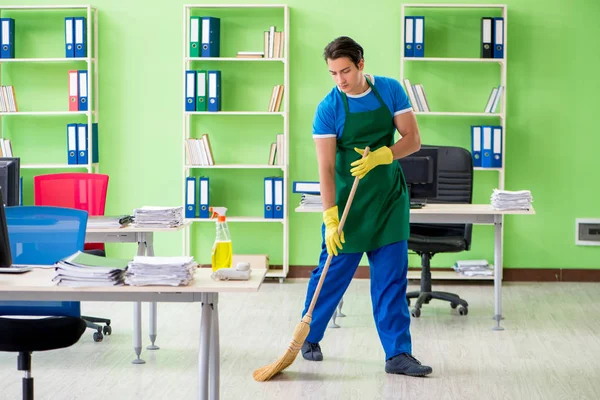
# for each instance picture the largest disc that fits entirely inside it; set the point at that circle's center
(303, 328)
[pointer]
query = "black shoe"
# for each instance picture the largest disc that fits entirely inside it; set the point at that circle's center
(312, 351)
(406, 364)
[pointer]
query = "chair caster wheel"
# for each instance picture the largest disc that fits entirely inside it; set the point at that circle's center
(98, 337)
(463, 310)
(415, 312)
(453, 305)
(107, 330)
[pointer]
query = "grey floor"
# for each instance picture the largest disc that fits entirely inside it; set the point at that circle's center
(549, 350)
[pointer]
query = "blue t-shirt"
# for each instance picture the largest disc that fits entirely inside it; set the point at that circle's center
(330, 115)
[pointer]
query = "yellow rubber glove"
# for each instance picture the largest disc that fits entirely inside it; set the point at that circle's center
(332, 223)
(362, 166)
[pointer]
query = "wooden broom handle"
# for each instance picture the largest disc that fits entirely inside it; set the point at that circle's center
(340, 228)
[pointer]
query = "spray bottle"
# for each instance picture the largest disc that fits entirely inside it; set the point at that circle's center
(222, 250)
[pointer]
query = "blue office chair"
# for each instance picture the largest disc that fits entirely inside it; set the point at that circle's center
(40, 235)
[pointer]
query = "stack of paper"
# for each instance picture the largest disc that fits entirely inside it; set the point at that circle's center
(172, 271)
(474, 268)
(82, 269)
(311, 201)
(158, 217)
(511, 200)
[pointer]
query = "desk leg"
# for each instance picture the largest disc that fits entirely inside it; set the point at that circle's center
(498, 272)
(137, 319)
(153, 311)
(215, 351)
(205, 345)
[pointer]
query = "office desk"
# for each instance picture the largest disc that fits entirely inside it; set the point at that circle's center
(467, 214)
(144, 237)
(38, 285)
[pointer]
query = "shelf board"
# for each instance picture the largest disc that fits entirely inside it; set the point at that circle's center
(233, 59)
(486, 169)
(455, 59)
(459, 114)
(46, 8)
(55, 166)
(46, 113)
(417, 5)
(235, 6)
(234, 113)
(237, 219)
(238, 166)
(43, 60)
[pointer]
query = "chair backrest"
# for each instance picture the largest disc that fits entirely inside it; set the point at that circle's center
(43, 235)
(455, 185)
(83, 191)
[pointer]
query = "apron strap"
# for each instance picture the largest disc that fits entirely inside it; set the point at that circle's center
(345, 98)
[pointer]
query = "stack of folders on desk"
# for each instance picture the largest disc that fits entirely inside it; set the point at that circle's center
(82, 269)
(311, 194)
(273, 197)
(474, 268)
(511, 200)
(158, 217)
(202, 90)
(172, 271)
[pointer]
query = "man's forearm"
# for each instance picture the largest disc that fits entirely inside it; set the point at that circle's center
(410, 143)
(328, 188)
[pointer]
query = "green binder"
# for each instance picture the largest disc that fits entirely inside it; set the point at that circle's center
(194, 36)
(201, 95)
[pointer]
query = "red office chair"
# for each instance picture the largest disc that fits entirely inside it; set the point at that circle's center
(82, 191)
(78, 190)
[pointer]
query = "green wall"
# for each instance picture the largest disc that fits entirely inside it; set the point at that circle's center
(550, 137)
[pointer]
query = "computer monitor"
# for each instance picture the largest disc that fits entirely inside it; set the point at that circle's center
(10, 173)
(420, 172)
(5, 252)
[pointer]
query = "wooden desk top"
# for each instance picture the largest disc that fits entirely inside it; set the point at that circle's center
(449, 209)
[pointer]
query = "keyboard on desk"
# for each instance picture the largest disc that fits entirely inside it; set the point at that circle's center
(417, 204)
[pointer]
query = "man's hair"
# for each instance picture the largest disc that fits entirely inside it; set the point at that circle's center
(344, 46)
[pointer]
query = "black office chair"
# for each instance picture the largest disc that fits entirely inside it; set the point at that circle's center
(455, 185)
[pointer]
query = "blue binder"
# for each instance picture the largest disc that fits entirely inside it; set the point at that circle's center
(82, 89)
(476, 136)
(306, 187)
(496, 147)
(486, 146)
(268, 198)
(8, 38)
(190, 90)
(72, 144)
(419, 36)
(214, 91)
(204, 197)
(80, 37)
(409, 36)
(190, 197)
(210, 37)
(83, 143)
(278, 194)
(69, 37)
(498, 37)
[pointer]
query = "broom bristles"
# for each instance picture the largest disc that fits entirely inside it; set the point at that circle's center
(300, 334)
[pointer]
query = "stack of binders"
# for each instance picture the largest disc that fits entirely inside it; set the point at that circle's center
(78, 90)
(197, 97)
(273, 207)
(197, 200)
(492, 37)
(7, 38)
(414, 36)
(78, 145)
(486, 146)
(205, 37)
(75, 37)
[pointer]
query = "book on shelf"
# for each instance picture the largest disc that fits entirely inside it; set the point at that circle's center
(276, 98)
(5, 148)
(273, 43)
(8, 99)
(416, 94)
(250, 54)
(276, 151)
(494, 99)
(199, 151)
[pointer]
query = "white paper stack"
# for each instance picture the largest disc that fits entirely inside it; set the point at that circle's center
(158, 217)
(311, 201)
(511, 200)
(474, 268)
(171, 271)
(82, 269)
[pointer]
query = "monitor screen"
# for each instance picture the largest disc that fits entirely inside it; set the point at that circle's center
(9, 180)
(5, 253)
(420, 172)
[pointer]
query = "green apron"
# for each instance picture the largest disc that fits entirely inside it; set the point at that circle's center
(379, 214)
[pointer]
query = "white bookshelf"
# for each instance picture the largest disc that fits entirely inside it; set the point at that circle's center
(205, 63)
(92, 67)
(501, 115)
